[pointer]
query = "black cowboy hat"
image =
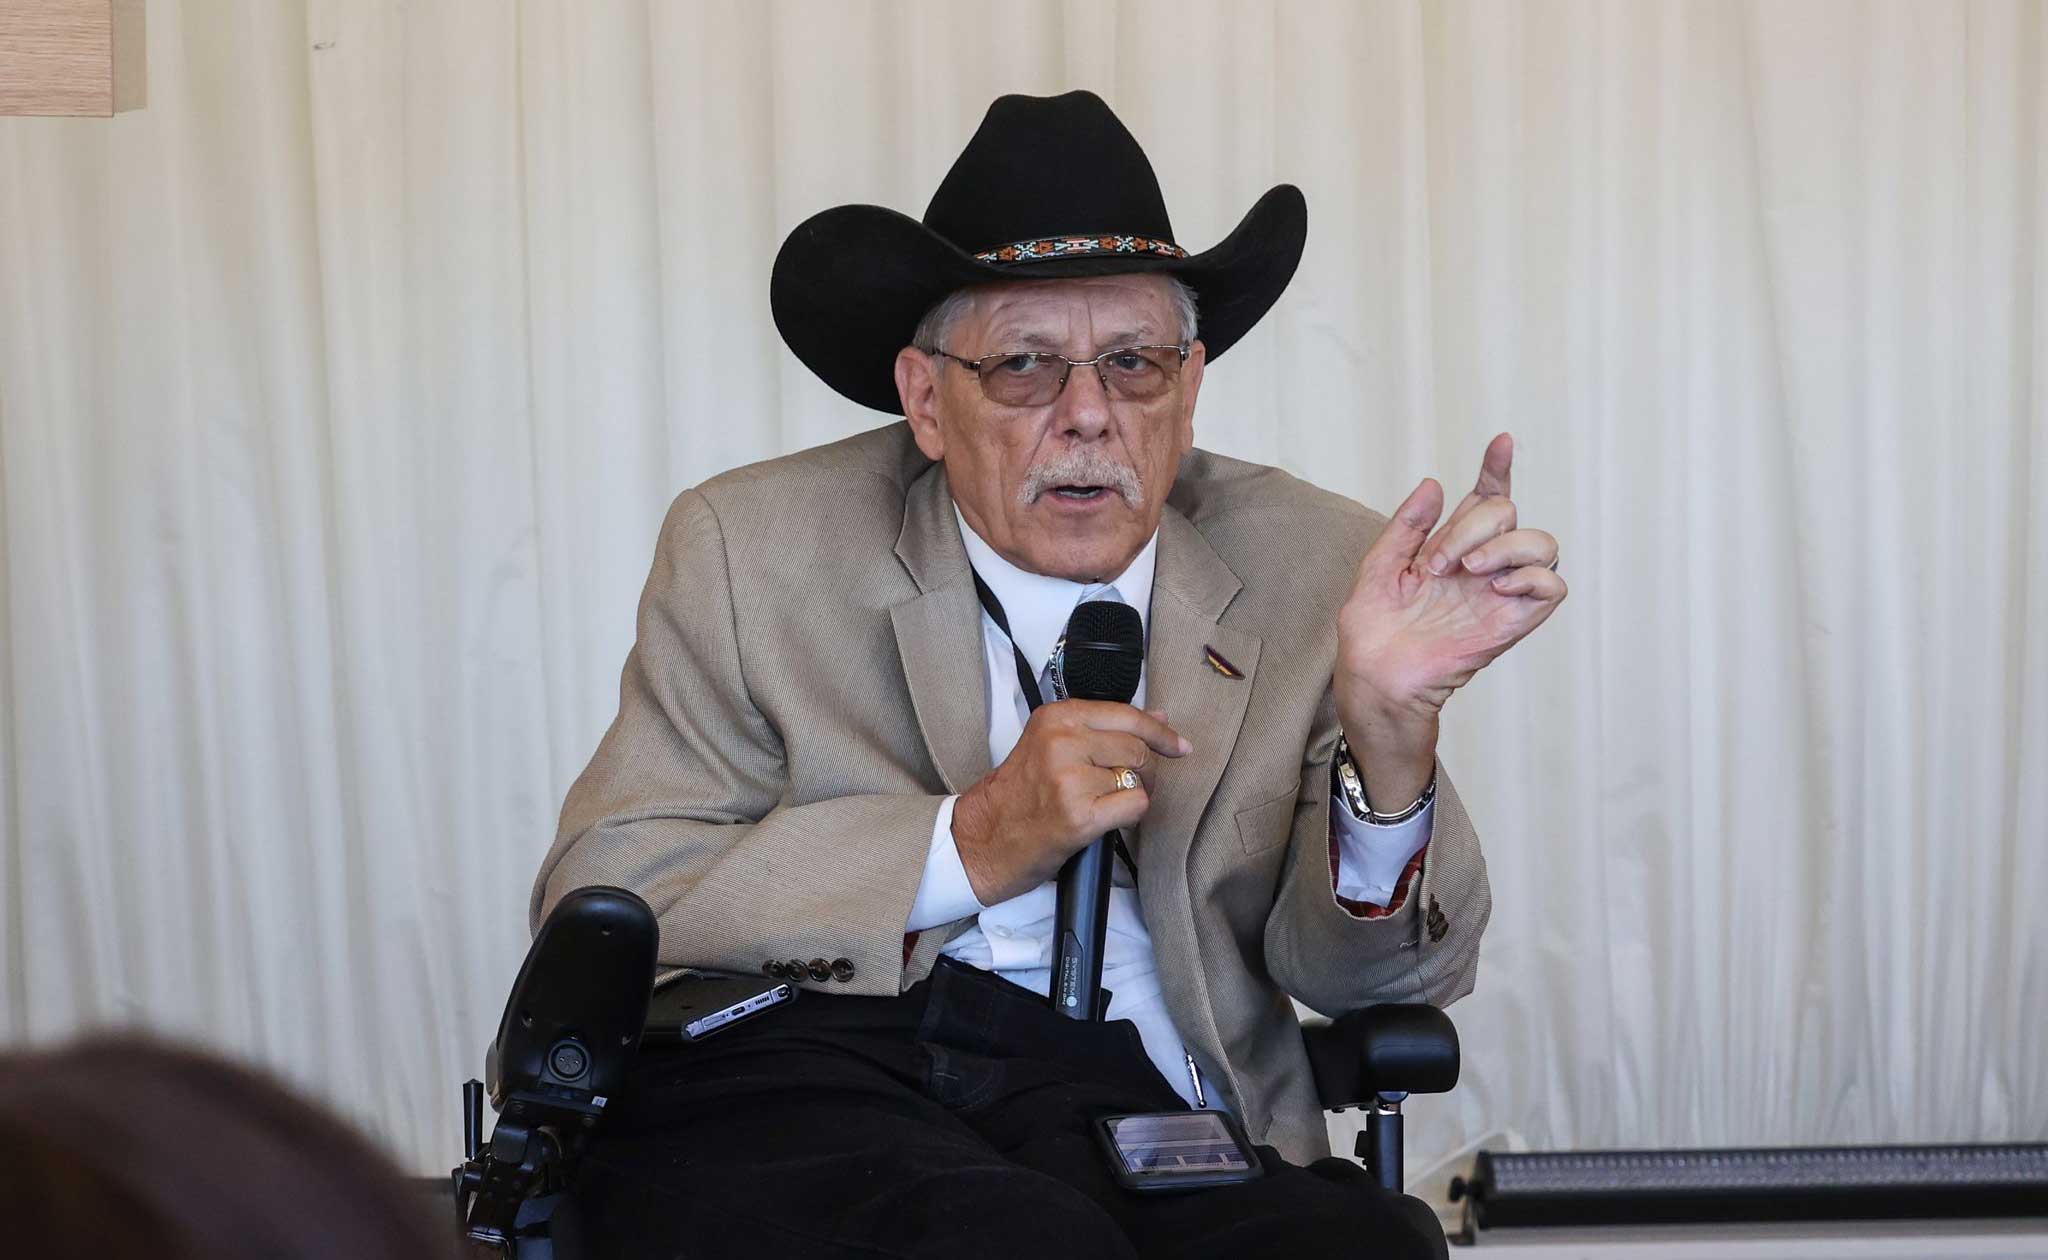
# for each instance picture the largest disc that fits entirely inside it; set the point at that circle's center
(1049, 187)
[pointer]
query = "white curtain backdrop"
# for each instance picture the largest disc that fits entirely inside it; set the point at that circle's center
(343, 388)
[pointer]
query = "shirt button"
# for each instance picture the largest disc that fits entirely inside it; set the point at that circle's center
(842, 969)
(820, 970)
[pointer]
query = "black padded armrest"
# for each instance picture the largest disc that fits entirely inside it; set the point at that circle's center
(576, 1011)
(1409, 1048)
(570, 1029)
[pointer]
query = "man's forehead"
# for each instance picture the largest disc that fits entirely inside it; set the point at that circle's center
(1113, 305)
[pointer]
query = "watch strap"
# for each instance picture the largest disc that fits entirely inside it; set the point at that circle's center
(1349, 786)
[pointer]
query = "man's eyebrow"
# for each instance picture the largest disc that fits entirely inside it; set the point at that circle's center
(1138, 335)
(1019, 340)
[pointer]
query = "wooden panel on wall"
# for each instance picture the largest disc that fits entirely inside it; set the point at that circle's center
(77, 57)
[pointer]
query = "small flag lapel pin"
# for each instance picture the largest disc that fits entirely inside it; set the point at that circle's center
(1220, 663)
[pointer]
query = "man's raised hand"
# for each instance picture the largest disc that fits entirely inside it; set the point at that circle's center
(1430, 610)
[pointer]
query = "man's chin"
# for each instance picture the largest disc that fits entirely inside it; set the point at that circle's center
(1085, 559)
(1098, 542)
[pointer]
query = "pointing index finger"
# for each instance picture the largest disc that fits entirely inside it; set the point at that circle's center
(1495, 468)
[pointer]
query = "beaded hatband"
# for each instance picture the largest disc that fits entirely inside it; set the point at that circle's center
(1079, 247)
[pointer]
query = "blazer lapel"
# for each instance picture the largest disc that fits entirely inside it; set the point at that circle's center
(1190, 589)
(938, 635)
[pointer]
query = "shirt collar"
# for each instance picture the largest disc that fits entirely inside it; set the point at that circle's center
(1038, 606)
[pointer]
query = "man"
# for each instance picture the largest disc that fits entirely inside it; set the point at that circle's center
(829, 763)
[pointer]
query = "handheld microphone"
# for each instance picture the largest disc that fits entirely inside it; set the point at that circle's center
(1099, 658)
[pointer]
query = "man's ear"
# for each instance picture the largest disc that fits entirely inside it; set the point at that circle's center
(917, 385)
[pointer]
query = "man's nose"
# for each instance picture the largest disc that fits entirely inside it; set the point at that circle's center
(1083, 406)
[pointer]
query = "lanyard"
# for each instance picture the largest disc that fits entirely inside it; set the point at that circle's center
(1027, 677)
(1027, 680)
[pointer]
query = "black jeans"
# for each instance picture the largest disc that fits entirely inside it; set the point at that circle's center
(952, 1121)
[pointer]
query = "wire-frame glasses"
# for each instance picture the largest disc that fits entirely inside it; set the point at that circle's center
(1034, 378)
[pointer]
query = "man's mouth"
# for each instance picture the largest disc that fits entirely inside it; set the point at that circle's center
(1081, 480)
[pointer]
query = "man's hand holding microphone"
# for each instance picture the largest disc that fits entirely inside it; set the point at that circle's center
(1056, 793)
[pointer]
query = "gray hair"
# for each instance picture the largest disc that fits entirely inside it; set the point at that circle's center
(936, 328)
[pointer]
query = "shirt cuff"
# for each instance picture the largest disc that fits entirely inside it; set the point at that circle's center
(1372, 857)
(945, 893)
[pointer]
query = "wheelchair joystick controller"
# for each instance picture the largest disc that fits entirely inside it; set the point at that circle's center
(569, 1031)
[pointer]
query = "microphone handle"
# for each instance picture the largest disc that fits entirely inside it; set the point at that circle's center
(1081, 915)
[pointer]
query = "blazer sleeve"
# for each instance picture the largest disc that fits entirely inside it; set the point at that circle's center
(1427, 950)
(684, 802)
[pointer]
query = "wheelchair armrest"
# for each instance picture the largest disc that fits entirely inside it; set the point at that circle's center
(573, 1021)
(570, 1030)
(1406, 1048)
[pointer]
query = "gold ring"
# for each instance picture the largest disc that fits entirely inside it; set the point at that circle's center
(1126, 778)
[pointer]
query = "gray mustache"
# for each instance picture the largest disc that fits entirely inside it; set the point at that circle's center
(1082, 466)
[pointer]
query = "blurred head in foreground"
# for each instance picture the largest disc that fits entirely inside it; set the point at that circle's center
(121, 1147)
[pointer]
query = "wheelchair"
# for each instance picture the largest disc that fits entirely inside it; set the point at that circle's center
(573, 1023)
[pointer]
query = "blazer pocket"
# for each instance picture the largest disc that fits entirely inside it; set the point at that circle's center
(1261, 827)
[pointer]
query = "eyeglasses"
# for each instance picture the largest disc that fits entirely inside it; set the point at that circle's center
(1018, 378)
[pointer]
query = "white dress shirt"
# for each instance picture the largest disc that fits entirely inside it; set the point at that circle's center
(1015, 938)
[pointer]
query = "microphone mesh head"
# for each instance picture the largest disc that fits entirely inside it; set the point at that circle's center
(1104, 653)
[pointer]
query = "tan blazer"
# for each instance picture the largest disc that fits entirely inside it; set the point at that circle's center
(807, 685)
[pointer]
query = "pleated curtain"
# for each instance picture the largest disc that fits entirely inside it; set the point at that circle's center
(342, 391)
